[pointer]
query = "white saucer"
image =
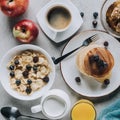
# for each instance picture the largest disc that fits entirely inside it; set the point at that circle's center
(89, 87)
(74, 27)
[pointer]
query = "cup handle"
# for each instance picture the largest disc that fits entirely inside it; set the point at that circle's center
(36, 109)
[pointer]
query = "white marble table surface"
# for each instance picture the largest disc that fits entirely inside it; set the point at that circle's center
(7, 41)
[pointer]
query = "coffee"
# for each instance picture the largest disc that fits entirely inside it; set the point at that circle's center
(59, 17)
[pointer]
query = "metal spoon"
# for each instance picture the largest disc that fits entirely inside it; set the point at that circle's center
(12, 113)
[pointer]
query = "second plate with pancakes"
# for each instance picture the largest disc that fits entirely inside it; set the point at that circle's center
(88, 86)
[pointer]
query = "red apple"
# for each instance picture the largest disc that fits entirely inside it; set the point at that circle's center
(13, 8)
(25, 31)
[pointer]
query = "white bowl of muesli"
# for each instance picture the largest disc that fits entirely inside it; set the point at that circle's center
(27, 72)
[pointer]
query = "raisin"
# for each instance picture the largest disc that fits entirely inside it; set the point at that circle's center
(35, 59)
(25, 74)
(46, 79)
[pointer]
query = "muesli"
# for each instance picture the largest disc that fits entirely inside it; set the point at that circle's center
(29, 71)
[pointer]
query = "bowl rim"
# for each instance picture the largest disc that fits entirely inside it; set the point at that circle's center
(6, 58)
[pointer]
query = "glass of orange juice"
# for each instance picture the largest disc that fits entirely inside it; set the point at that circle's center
(83, 110)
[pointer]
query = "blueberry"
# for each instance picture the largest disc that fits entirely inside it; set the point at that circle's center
(25, 74)
(95, 15)
(82, 14)
(106, 81)
(29, 81)
(96, 58)
(101, 69)
(100, 63)
(11, 67)
(106, 44)
(28, 90)
(105, 64)
(16, 62)
(12, 74)
(77, 79)
(94, 23)
(18, 82)
(35, 59)
(35, 68)
(46, 79)
(91, 59)
(28, 67)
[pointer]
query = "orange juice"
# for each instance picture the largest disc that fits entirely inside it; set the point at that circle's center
(83, 110)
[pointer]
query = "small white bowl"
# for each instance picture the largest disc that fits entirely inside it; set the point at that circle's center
(4, 72)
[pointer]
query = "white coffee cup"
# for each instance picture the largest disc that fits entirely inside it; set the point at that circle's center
(55, 104)
(58, 18)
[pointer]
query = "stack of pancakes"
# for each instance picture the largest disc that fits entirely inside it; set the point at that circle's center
(95, 61)
(113, 16)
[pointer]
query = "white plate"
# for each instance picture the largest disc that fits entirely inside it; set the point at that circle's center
(74, 27)
(91, 88)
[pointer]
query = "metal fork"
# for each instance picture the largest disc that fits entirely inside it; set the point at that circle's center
(86, 42)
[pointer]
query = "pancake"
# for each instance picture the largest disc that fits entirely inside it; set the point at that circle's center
(95, 61)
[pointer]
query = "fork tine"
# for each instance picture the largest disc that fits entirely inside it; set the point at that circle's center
(94, 37)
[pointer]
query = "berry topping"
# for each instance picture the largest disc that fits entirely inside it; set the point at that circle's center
(11, 67)
(28, 90)
(29, 81)
(82, 14)
(18, 82)
(16, 62)
(25, 74)
(46, 79)
(12, 74)
(95, 15)
(100, 63)
(96, 58)
(94, 23)
(91, 59)
(106, 81)
(35, 59)
(106, 43)
(28, 67)
(77, 79)
(105, 64)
